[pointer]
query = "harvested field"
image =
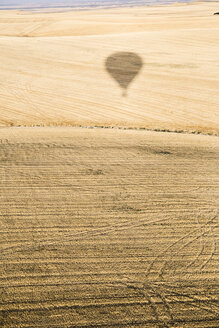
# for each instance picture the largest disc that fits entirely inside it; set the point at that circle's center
(108, 228)
(53, 72)
(103, 226)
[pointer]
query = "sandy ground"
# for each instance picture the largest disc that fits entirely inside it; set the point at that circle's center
(108, 228)
(53, 72)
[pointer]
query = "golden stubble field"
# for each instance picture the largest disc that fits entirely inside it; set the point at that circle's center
(53, 72)
(108, 228)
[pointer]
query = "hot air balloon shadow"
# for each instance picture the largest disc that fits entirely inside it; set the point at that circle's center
(124, 67)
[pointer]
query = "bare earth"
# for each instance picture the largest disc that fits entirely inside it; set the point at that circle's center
(53, 73)
(104, 227)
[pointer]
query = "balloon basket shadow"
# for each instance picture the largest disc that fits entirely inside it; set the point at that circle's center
(124, 94)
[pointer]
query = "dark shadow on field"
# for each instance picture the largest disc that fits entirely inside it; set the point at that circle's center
(124, 67)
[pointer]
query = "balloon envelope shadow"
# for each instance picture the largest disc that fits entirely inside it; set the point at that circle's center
(123, 67)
